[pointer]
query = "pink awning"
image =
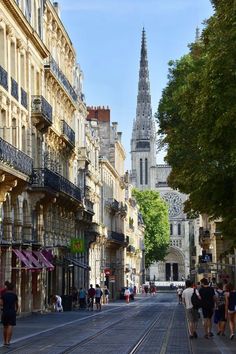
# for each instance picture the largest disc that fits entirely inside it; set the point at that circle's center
(23, 259)
(44, 262)
(32, 259)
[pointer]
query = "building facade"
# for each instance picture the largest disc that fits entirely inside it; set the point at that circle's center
(147, 174)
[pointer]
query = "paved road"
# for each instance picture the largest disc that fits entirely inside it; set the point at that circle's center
(149, 325)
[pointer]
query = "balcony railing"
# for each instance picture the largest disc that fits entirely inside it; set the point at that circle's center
(42, 110)
(24, 100)
(131, 249)
(15, 158)
(14, 89)
(88, 205)
(68, 132)
(3, 78)
(117, 237)
(113, 204)
(42, 178)
(52, 65)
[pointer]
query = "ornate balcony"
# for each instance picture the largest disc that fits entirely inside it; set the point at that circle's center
(3, 78)
(45, 178)
(118, 237)
(15, 158)
(24, 100)
(14, 89)
(67, 133)
(113, 205)
(131, 249)
(41, 112)
(56, 71)
(123, 209)
(88, 206)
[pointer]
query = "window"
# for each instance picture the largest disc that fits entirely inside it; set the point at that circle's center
(141, 171)
(2, 48)
(171, 229)
(179, 229)
(146, 171)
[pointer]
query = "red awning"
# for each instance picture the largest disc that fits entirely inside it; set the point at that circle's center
(44, 262)
(28, 264)
(32, 259)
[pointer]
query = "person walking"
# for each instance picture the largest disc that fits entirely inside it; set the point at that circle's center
(208, 298)
(179, 294)
(230, 308)
(82, 298)
(9, 303)
(191, 312)
(107, 293)
(91, 295)
(127, 294)
(98, 295)
(219, 317)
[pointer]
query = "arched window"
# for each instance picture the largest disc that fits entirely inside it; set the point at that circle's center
(146, 171)
(141, 171)
(171, 229)
(179, 229)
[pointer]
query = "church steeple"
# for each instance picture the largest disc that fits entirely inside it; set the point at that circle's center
(143, 143)
(144, 109)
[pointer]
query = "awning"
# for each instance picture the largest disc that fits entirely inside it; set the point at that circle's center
(28, 264)
(32, 259)
(44, 262)
(77, 263)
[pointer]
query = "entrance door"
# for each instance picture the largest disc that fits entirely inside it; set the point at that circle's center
(168, 273)
(175, 272)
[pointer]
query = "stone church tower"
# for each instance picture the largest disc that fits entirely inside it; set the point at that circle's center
(143, 143)
(146, 174)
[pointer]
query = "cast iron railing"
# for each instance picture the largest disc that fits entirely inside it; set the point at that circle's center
(15, 158)
(14, 89)
(3, 78)
(88, 205)
(43, 177)
(116, 236)
(131, 249)
(41, 106)
(68, 132)
(24, 100)
(52, 65)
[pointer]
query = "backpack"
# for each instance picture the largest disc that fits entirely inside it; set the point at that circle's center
(196, 302)
(220, 298)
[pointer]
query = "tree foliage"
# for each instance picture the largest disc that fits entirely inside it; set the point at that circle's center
(197, 119)
(155, 216)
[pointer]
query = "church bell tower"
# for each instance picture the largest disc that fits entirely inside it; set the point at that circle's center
(143, 142)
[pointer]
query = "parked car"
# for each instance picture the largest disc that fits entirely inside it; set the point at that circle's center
(122, 293)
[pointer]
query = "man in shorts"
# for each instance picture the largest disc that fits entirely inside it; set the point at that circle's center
(208, 297)
(9, 302)
(191, 312)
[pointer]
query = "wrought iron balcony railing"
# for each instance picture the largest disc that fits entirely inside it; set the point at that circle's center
(68, 133)
(14, 89)
(113, 204)
(42, 110)
(15, 158)
(88, 205)
(43, 178)
(117, 236)
(24, 100)
(131, 249)
(3, 78)
(52, 65)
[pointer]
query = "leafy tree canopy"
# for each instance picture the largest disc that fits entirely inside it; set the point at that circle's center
(155, 216)
(197, 119)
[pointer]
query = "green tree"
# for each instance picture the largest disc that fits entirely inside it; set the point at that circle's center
(197, 119)
(155, 216)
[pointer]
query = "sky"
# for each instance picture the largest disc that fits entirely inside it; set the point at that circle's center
(107, 37)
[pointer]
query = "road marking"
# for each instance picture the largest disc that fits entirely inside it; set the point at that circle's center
(166, 339)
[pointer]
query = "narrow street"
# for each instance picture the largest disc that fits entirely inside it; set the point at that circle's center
(146, 325)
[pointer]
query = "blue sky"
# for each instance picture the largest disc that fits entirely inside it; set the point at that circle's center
(107, 37)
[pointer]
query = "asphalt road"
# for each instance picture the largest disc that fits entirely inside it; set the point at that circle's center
(147, 325)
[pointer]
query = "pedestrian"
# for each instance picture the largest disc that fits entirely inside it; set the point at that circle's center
(107, 293)
(74, 294)
(9, 303)
(82, 298)
(127, 294)
(91, 295)
(219, 316)
(208, 297)
(98, 295)
(58, 303)
(179, 294)
(146, 290)
(230, 308)
(191, 312)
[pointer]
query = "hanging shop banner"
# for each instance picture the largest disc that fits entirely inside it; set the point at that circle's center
(77, 245)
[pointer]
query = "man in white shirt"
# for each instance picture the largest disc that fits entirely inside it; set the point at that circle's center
(192, 313)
